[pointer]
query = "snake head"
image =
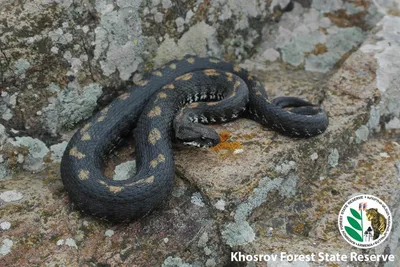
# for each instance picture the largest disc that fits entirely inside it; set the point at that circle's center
(194, 134)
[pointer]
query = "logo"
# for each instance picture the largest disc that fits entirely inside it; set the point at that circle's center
(365, 221)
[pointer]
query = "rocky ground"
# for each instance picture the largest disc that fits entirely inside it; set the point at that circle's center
(261, 192)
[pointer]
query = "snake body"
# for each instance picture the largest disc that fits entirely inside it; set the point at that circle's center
(150, 109)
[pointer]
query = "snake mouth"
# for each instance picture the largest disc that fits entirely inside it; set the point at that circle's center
(197, 144)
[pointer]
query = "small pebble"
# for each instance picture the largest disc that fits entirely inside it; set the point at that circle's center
(238, 151)
(6, 246)
(20, 158)
(85, 29)
(314, 156)
(197, 199)
(70, 242)
(220, 205)
(109, 233)
(54, 50)
(384, 155)
(270, 230)
(207, 251)
(5, 226)
(10, 196)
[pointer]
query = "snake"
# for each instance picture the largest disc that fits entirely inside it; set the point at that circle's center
(151, 110)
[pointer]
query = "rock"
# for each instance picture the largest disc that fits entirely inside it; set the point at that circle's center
(270, 54)
(37, 150)
(6, 246)
(71, 105)
(57, 151)
(21, 65)
(174, 262)
(362, 134)
(333, 158)
(5, 225)
(11, 196)
(314, 156)
(125, 170)
(197, 199)
(385, 47)
(236, 234)
(3, 135)
(109, 233)
(393, 124)
(220, 205)
(4, 171)
(5, 111)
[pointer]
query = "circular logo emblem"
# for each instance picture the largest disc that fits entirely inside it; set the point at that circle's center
(365, 221)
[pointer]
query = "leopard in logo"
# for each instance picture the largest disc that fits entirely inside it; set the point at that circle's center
(378, 222)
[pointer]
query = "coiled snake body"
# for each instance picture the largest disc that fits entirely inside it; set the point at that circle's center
(150, 108)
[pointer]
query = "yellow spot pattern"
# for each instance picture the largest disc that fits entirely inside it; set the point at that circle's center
(105, 110)
(172, 66)
(158, 73)
(142, 82)
(84, 133)
(212, 60)
(168, 86)
(237, 68)
(162, 95)
(154, 136)
(111, 188)
(157, 160)
(75, 153)
(194, 105)
(156, 111)
(124, 96)
(229, 75)
(237, 83)
(211, 72)
(85, 128)
(85, 137)
(115, 189)
(185, 77)
(148, 180)
(83, 175)
(103, 113)
(191, 60)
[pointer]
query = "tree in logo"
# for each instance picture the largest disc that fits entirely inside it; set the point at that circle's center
(355, 225)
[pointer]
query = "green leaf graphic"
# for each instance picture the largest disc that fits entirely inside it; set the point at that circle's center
(355, 214)
(351, 232)
(354, 223)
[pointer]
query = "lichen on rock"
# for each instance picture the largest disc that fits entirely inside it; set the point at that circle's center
(37, 150)
(71, 105)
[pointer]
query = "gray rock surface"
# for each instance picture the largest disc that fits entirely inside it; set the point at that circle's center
(32, 157)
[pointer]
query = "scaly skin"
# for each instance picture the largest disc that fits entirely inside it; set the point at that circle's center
(150, 109)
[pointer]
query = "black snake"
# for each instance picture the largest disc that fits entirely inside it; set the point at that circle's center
(150, 109)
